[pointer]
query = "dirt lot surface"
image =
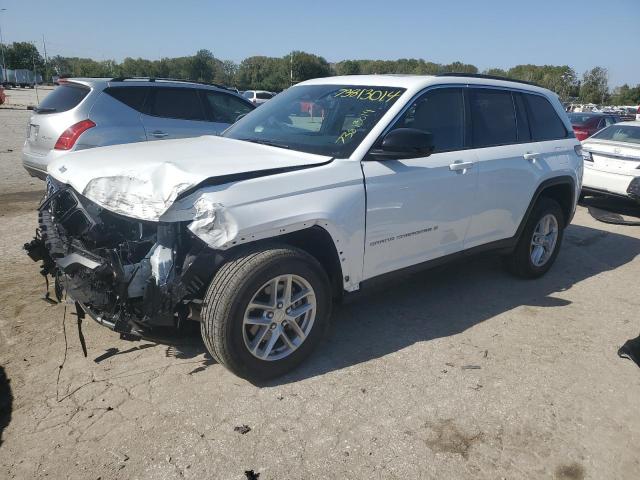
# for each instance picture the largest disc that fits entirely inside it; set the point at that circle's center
(461, 372)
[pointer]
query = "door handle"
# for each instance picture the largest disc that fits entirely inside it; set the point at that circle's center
(460, 167)
(159, 134)
(530, 156)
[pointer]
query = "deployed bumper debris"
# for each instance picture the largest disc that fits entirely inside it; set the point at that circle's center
(128, 275)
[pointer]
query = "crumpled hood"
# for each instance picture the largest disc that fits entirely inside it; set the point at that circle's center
(142, 180)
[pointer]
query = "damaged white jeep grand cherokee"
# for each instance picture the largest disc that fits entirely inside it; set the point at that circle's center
(332, 183)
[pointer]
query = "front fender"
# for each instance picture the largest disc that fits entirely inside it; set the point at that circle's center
(331, 197)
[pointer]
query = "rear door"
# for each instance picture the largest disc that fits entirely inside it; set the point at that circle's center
(175, 112)
(419, 209)
(519, 140)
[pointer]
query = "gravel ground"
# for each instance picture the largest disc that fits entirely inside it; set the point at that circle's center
(461, 372)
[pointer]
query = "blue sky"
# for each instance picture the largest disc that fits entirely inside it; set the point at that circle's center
(487, 33)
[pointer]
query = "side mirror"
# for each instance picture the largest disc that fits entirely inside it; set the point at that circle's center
(404, 143)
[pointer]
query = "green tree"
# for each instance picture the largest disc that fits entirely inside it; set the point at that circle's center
(304, 66)
(595, 85)
(20, 55)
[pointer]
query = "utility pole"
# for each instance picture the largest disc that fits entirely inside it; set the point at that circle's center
(291, 68)
(46, 62)
(4, 65)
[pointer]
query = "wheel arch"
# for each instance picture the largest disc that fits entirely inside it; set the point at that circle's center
(562, 189)
(314, 240)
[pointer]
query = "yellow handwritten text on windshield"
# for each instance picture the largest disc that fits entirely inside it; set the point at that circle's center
(368, 94)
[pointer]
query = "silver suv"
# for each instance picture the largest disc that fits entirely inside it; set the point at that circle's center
(92, 112)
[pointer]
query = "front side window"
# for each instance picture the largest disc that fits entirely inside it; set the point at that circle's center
(178, 103)
(493, 117)
(439, 112)
(323, 119)
(226, 108)
(248, 94)
(619, 133)
(545, 123)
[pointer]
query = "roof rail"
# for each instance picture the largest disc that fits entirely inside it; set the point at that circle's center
(488, 77)
(153, 79)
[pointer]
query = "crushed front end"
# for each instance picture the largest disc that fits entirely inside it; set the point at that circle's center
(127, 274)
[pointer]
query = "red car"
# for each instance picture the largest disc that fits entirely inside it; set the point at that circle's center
(588, 123)
(3, 97)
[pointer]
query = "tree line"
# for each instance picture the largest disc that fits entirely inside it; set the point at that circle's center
(277, 73)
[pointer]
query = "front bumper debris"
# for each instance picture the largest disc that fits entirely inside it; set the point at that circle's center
(128, 275)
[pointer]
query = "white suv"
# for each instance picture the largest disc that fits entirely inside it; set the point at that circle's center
(255, 233)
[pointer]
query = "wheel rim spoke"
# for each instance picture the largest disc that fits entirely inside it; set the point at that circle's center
(275, 334)
(297, 330)
(301, 295)
(296, 312)
(257, 321)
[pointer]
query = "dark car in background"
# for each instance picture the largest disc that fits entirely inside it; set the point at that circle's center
(586, 124)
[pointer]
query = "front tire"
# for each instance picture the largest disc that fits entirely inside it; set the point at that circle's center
(265, 311)
(540, 241)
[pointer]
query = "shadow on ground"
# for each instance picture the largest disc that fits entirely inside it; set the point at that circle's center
(6, 402)
(615, 210)
(438, 303)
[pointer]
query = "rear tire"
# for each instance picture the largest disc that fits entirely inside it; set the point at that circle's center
(241, 313)
(537, 248)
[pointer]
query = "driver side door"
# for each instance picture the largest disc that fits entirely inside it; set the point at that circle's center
(419, 209)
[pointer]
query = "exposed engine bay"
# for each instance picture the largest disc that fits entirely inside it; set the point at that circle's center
(127, 274)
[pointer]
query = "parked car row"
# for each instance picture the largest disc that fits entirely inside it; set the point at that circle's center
(257, 231)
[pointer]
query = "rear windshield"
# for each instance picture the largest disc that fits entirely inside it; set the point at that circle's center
(63, 98)
(620, 133)
(580, 118)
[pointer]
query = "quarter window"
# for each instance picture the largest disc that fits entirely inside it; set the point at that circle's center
(545, 123)
(180, 103)
(441, 113)
(493, 117)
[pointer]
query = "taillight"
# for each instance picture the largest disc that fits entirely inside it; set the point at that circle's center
(68, 138)
(581, 134)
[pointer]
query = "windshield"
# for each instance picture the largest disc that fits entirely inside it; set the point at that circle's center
(620, 133)
(328, 120)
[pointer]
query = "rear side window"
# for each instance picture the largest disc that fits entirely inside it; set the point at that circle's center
(225, 108)
(545, 123)
(493, 117)
(264, 95)
(133, 97)
(63, 98)
(178, 103)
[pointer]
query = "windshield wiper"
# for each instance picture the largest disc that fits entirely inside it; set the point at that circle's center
(266, 142)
